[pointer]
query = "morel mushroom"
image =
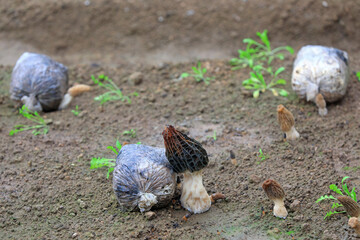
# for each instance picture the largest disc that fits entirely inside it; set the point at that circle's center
(287, 122)
(355, 224)
(187, 156)
(351, 207)
(143, 178)
(320, 70)
(41, 83)
(276, 193)
(321, 104)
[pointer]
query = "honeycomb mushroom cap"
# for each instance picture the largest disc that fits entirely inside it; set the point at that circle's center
(351, 207)
(273, 189)
(285, 118)
(319, 69)
(184, 153)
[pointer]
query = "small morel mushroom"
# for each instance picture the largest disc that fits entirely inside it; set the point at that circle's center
(355, 224)
(287, 122)
(351, 207)
(276, 193)
(187, 156)
(321, 104)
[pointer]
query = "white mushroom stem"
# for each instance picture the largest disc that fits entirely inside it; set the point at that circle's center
(147, 200)
(355, 224)
(194, 197)
(65, 101)
(292, 133)
(279, 208)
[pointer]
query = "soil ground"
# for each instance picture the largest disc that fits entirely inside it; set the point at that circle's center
(47, 188)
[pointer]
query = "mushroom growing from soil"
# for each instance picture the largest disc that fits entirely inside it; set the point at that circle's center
(276, 193)
(355, 224)
(287, 122)
(187, 156)
(351, 207)
(321, 104)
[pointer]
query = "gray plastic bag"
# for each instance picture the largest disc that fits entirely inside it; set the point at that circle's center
(39, 82)
(323, 70)
(143, 178)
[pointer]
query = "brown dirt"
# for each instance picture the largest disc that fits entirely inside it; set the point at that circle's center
(49, 192)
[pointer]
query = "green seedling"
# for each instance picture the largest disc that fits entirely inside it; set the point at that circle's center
(213, 136)
(335, 189)
(257, 83)
(113, 94)
(351, 168)
(256, 53)
(100, 162)
(262, 156)
(358, 75)
(131, 133)
(76, 112)
(198, 74)
(41, 126)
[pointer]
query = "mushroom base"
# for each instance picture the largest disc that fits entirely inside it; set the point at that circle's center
(292, 134)
(194, 197)
(279, 209)
(322, 111)
(355, 224)
(65, 101)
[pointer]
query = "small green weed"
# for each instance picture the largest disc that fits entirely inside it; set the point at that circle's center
(113, 94)
(335, 189)
(257, 83)
(351, 168)
(258, 52)
(214, 136)
(198, 74)
(262, 156)
(131, 133)
(41, 126)
(76, 112)
(358, 75)
(100, 162)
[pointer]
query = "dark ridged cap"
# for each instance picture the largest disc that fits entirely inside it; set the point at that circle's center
(273, 189)
(351, 207)
(184, 153)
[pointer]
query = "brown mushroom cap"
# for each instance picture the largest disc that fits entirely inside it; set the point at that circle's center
(285, 118)
(273, 189)
(320, 101)
(351, 207)
(183, 152)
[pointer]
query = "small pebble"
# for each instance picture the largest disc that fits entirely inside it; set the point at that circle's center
(150, 215)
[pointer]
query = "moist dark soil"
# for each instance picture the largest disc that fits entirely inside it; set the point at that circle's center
(48, 190)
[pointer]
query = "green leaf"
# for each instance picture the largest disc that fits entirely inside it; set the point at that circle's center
(290, 49)
(281, 69)
(325, 197)
(101, 162)
(344, 178)
(112, 149)
(204, 70)
(283, 93)
(185, 75)
(334, 188)
(118, 145)
(280, 82)
(256, 94)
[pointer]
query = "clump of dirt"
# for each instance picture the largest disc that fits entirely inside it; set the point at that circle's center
(48, 190)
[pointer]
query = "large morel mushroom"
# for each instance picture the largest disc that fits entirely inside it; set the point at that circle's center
(187, 156)
(276, 193)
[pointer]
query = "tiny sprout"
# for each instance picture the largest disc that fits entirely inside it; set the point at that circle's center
(113, 94)
(198, 74)
(76, 112)
(41, 126)
(131, 133)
